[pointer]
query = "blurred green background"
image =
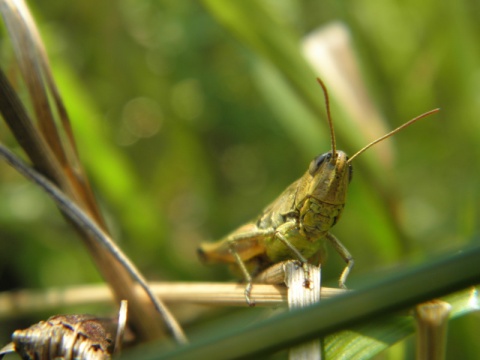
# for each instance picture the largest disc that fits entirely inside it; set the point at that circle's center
(190, 118)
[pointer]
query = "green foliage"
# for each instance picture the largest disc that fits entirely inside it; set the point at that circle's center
(191, 119)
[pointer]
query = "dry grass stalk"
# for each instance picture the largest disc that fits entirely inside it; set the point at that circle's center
(52, 151)
(432, 322)
(21, 302)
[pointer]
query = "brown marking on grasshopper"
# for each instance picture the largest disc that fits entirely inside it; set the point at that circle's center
(296, 223)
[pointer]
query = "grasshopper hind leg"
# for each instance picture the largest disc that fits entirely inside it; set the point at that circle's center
(345, 254)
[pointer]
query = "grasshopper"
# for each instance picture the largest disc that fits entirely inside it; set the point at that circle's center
(295, 225)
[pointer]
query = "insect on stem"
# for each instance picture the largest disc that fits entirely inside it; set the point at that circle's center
(296, 224)
(401, 127)
(329, 117)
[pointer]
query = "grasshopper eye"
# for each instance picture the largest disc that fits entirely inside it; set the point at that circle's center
(317, 162)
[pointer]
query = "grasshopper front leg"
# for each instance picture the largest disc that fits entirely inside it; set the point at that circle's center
(280, 235)
(346, 256)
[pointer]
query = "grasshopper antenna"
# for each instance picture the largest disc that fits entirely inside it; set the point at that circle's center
(329, 117)
(393, 132)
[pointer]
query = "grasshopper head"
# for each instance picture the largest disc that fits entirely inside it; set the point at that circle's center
(331, 172)
(330, 176)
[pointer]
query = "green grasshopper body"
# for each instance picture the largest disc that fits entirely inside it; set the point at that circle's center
(296, 224)
(303, 214)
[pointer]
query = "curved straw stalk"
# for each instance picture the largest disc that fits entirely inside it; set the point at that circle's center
(52, 151)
